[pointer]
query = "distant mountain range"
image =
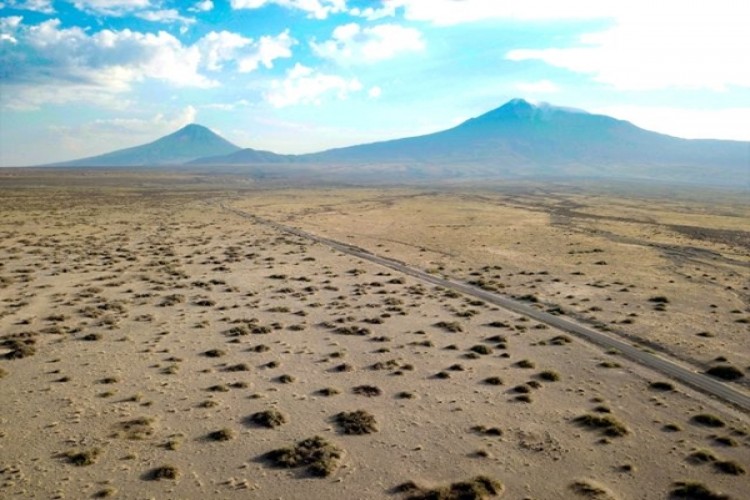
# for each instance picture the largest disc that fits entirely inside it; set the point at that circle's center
(518, 139)
(188, 143)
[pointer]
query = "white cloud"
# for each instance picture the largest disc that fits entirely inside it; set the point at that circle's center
(8, 29)
(248, 54)
(538, 87)
(303, 85)
(111, 7)
(165, 16)
(72, 65)
(450, 12)
(653, 45)
(43, 6)
(228, 106)
(318, 9)
(156, 125)
(707, 123)
(373, 14)
(203, 6)
(350, 43)
(374, 92)
(104, 135)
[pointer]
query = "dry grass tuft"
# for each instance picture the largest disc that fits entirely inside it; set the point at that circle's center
(356, 422)
(319, 456)
(268, 418)
(476, 488)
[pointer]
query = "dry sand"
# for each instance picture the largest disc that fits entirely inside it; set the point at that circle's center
(151, 327)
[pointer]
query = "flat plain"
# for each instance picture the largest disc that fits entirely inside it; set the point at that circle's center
(157, 345)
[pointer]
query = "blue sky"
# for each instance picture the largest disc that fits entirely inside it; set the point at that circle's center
(83, 77)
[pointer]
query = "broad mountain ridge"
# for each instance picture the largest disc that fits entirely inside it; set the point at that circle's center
(518, 139)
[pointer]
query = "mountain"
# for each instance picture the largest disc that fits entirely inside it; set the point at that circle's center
(190, 142)
(247, 156)
(520, 139)
(516, 140)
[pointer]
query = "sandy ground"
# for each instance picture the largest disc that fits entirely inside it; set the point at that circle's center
(599, 257)
(145, 328)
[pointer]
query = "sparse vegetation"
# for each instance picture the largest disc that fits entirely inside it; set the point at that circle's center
(494, 380)
(549, 376)
(164, 472)
(367, 390)
(81, 458)
(692, 490)
(708, 420)
(356, 422)
(729, 467)
(224, 434)
(450, 326)
(609, 425)
(476, 488)
(481, 349)
(589, 489)
(268, 418)
(725, 372)
(661, 386)
(319, 456)
(329, 391)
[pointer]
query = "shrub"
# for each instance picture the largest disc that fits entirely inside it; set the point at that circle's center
(659, 299)
(169, 472)
(701, 456)
(695, 491)
(707, 420)
(268, 418)
(319, 456)
(80, 458)
(239, 367)
(224, 434)
(450, 326)
(661, 386)
(589, 489)
(725, 372)
(549, 376)
(525, 363)
(356, 422)
(481, 349)
(473, 489)
(607, 424)
(19, 348)
(367, 390)
(729, 467)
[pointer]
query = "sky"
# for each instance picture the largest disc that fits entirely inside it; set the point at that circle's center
(84, 77)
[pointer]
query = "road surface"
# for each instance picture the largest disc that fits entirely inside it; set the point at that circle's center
(671, 368)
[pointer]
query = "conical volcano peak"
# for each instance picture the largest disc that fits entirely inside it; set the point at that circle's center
(515, 109)
(194, 130)
(517, 103)
(188, 143)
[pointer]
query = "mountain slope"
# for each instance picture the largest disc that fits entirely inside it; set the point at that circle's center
(190, 142)
(247, 156)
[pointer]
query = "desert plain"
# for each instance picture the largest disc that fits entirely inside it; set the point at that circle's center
(156, 344)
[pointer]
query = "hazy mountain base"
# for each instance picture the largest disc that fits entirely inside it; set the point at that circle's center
(142, 382)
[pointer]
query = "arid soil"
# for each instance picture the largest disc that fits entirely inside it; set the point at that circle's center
(155, 345)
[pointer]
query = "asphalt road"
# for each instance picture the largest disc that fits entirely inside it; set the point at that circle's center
(668, 367)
